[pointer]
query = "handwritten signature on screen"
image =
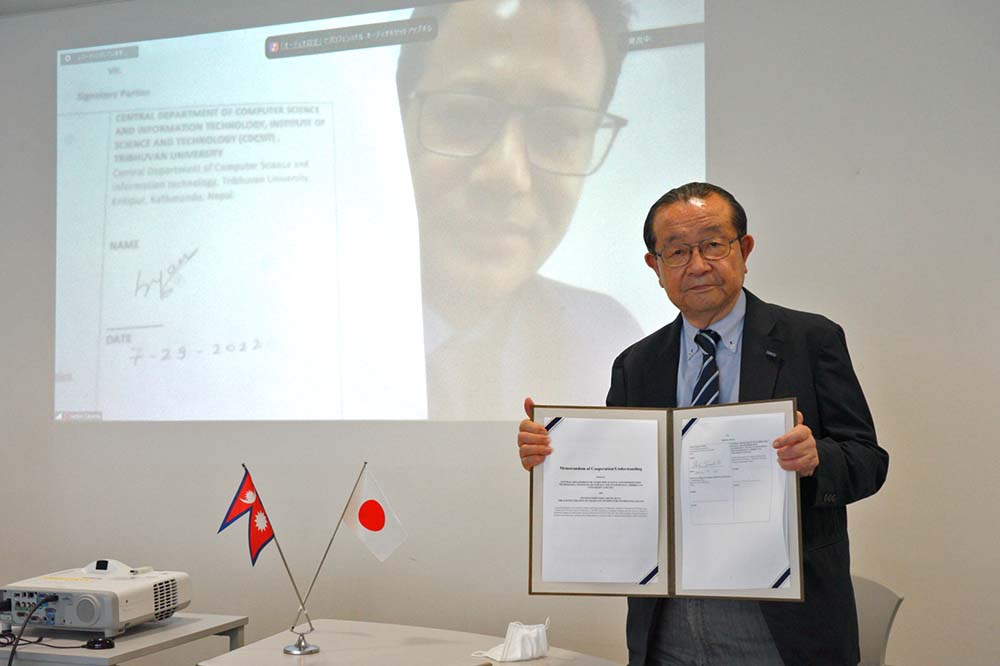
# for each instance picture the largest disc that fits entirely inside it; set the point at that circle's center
(164, 279)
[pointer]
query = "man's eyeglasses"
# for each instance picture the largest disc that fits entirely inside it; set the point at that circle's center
(562, 139)
(676, 255)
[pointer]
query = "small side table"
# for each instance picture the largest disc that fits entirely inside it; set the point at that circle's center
(136, 642)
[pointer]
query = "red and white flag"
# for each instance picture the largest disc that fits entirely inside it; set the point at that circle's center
(247, 501)
(373, 520)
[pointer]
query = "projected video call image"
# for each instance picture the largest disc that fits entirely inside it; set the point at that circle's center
(406, 214)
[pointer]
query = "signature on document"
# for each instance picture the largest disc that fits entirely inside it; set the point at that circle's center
(164, 279)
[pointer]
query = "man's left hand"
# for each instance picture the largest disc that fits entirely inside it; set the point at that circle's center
(797, 449)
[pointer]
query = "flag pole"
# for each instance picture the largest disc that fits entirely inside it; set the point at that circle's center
(330, 544)
(301, 646)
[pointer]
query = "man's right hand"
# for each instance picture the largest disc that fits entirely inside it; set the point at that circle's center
(533, 442)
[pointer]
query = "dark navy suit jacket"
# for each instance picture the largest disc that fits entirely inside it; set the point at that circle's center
(785, 353)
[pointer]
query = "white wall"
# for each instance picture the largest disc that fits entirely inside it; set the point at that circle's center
(862, 138)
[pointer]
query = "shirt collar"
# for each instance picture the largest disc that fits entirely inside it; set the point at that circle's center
(729, 327)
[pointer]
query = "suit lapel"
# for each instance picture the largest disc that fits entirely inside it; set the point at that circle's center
(761, 357)
(660, 385)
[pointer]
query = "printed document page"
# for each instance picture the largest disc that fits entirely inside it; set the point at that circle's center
(224, 224)
(600, 501)
(733, 495)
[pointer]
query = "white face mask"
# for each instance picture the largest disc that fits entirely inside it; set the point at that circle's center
(523, 642)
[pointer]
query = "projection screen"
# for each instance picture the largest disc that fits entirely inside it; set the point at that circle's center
(406, 214)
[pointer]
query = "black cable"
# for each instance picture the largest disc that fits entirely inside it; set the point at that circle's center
(7, 639)
(6, 608)
(38, 604)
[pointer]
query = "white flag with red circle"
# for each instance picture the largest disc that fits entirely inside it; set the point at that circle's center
(373, 519)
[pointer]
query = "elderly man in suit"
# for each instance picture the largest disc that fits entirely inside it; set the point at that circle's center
(698, 245)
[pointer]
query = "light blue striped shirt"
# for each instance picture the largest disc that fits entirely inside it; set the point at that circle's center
(730, 329)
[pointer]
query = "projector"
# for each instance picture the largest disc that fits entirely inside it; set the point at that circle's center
(105, 596)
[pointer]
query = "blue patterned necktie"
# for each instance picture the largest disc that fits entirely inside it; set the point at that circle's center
(706, 389)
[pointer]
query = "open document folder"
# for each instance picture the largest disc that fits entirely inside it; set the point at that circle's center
(676, 502)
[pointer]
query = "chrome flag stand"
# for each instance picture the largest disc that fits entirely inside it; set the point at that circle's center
(302, 646)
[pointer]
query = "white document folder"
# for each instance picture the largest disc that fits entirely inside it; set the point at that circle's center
(687, 502)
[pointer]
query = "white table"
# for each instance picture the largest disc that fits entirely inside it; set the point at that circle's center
(135, 642)
(343, 642)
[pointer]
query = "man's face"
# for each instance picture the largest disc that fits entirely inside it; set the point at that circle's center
(704, 291)
(489, 221)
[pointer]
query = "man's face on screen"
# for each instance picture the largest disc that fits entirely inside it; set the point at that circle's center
(489, 215)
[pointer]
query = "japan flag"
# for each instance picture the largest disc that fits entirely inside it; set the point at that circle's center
(373, 519)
